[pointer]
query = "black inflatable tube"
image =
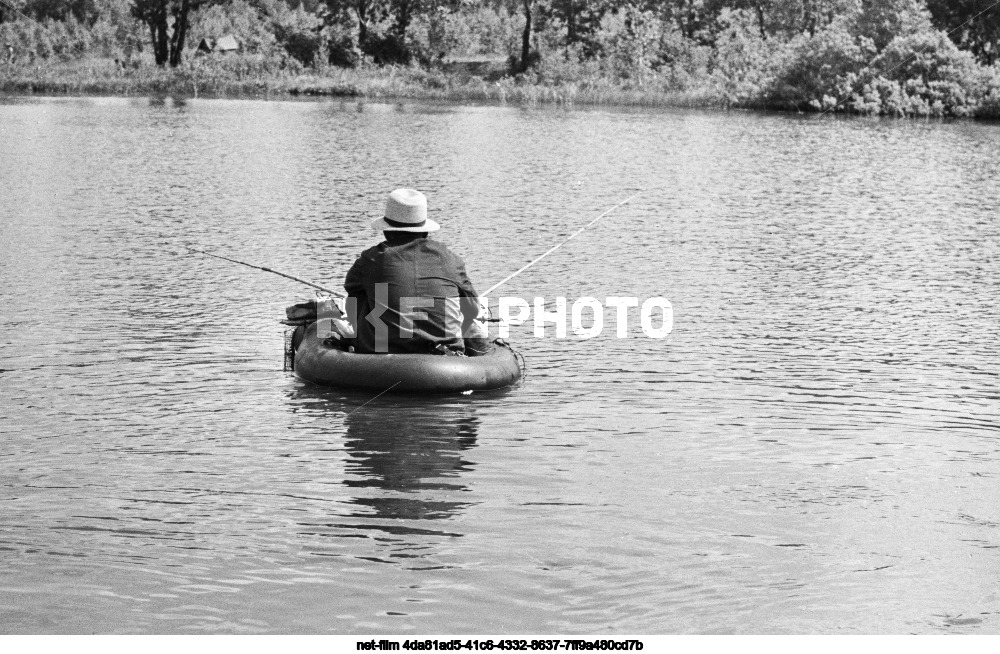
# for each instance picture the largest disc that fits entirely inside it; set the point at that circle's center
(411, 373)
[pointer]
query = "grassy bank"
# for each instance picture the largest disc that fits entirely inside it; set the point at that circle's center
(247, 76)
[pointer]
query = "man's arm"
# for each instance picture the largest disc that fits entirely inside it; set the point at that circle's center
(473, 333)
(354, 283)
(467, 293)
(356, 295)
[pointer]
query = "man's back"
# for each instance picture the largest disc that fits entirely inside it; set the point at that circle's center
(424, 289)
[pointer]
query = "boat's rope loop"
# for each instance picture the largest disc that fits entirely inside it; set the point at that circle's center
(520, 357)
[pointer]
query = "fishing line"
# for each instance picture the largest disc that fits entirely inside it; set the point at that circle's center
(265, 269)
(563, 242)
(376, 397)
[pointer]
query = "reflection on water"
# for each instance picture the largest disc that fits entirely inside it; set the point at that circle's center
(813, 448)
(405, 452)
(404, 460)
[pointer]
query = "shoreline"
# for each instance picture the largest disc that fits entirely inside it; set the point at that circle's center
(105, 78)
(387, 84)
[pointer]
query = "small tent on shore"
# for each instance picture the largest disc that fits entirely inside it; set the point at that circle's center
(227, 43)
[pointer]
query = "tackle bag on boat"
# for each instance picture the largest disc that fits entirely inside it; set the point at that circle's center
(303, 313)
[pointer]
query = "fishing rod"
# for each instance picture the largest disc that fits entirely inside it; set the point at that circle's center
(270, 270)
(488, 291)
(560, 244)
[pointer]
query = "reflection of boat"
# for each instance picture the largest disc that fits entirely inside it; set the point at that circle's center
(404, 458)
(415, 455)
(422, 373)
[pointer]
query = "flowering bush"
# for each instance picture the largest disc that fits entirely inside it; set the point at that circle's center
(815, 69)
(989, 106)
(922, 74)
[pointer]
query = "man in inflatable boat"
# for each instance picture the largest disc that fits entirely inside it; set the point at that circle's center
(412, 293)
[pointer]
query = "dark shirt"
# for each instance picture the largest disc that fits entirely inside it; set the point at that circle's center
(420, 276)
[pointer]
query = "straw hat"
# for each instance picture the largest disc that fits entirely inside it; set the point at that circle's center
(406, 211)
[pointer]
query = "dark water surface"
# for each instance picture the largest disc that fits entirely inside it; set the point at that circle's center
(813, 449)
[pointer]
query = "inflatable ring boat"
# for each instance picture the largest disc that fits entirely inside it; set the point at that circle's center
(326, 365)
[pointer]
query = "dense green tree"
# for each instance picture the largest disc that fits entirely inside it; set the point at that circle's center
(884, 20)
(759, 8)
(403, 12)
(526, 8)
(786, 18)
(387, 47)
(365, 12)
(10, 9)
(579, 18)
(973, 25)
(168, 22)
(82, 10)
(690, 16)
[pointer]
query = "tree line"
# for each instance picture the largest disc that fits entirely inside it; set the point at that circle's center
(380, 26)
(884, 56)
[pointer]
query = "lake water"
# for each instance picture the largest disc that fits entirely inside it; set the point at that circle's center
(814, 448)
